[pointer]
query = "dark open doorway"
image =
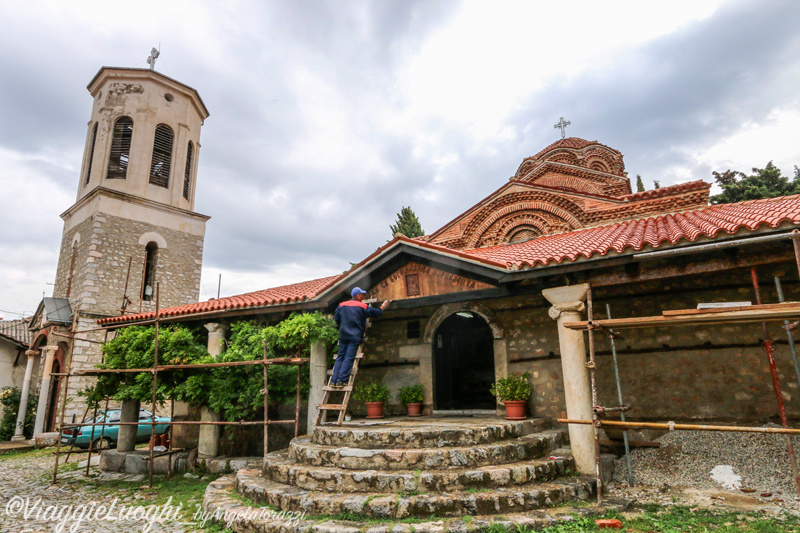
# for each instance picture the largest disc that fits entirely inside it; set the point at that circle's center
(463, 363)
(52, 400)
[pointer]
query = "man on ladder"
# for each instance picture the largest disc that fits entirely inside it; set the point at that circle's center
(351, 317)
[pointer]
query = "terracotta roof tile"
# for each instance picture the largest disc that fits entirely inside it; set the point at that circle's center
(16, 330)
(576, 143)
(296, 292)
(653, 231)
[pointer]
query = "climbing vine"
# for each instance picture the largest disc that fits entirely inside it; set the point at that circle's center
(235, 392)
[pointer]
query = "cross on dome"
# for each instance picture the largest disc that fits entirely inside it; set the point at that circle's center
(562, 124)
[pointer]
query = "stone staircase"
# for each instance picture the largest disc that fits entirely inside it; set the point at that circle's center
(388, 472)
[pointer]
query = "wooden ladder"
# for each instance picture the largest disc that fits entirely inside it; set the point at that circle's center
(347, 390)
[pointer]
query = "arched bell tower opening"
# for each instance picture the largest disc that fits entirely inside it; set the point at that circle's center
(463, 363)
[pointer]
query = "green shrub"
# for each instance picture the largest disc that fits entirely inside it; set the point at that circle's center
(411, 394)
(371, 391)
(10, 398)
(512, 388)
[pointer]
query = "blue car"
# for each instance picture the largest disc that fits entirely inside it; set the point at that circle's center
(100, 439)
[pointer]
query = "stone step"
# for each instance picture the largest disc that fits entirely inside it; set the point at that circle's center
(222, 505)
(416, 433)
(280, 468)
(518, 498)
(531, 446)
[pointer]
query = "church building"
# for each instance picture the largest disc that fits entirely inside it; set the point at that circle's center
(488, 294)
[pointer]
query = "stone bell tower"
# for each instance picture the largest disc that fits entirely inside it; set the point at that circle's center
(133, 222)
(131, 227)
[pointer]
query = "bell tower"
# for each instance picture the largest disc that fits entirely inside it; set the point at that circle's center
(133, 222)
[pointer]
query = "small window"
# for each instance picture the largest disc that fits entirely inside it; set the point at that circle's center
(120, 148)
(150, 258)
(187, 176)
(162, 156)
(412, 329)
(114, 416)
(91, 153)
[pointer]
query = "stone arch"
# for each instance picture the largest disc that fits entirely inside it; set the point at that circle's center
(448, 309)
(538, 222)
(152, 236)
(475, 234)
(40, 340)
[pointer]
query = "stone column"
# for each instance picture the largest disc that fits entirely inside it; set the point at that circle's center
(48, 352)
(426, 378)
(23, 402)
(500, 369)
(126, 438)
(216, 337)
(318, 370)
(208, 443)
(567, 307)
(208, 440)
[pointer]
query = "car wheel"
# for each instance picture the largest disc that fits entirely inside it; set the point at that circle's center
(101, 444)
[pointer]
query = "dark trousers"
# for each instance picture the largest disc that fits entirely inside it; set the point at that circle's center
(344, 363)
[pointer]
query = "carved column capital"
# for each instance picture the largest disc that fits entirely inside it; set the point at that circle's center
(216, 327)
(567, 307)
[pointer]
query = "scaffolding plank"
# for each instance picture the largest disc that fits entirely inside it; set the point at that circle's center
(748, 315)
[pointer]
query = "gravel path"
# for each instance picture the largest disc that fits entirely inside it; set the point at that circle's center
(26, 478)
(757, 467)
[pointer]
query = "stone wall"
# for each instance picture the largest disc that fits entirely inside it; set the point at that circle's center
(105, 245)
(712, 373)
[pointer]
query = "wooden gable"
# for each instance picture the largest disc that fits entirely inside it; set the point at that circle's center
(414, 280)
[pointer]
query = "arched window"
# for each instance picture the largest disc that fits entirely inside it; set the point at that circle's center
(162, 156)
(91, 153)
(149, 275)
(120, 148)
(187, 176)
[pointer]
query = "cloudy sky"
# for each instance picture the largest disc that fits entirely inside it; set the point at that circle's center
(328, 117)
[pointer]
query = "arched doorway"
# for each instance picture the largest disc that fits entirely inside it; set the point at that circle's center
(463, 363)
(55, 390)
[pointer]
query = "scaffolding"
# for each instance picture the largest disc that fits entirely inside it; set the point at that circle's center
(265, 362)
(764, 313)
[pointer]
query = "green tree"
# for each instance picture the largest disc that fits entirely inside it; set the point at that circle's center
(656, 184)
(407, 223)
(639, 183)
(763, 183)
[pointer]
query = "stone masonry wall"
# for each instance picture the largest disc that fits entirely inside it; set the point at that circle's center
(106, 244)
(712, 373)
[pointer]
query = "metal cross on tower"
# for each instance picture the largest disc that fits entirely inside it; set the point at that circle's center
(562, 124)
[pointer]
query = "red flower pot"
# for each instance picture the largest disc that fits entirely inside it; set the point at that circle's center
(515, 409)
(414, 409)
(374, 409)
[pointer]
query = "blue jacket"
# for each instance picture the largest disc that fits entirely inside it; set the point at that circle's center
(351, 317)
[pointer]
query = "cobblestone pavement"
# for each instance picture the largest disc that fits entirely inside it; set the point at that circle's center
(111, 502)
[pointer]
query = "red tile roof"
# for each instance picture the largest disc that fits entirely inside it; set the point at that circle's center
(575, 143)
(296, 292)
(653, 231)
(601, 240)
(667, 191)
(16, 331)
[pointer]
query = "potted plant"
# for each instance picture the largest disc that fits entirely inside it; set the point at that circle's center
(412, 397)
(374, 394)
(514, 392)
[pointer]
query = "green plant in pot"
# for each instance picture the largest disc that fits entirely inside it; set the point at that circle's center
(514, 392)
(412, 397)
(374, 394)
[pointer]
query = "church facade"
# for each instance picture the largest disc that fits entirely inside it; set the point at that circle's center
(485, 295)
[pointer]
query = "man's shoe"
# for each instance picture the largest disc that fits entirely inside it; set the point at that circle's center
(337, 385)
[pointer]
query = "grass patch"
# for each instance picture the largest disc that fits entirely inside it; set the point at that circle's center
(475, 490)
(674, 520)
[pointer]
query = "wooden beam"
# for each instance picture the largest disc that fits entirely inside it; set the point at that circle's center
(747, 315)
